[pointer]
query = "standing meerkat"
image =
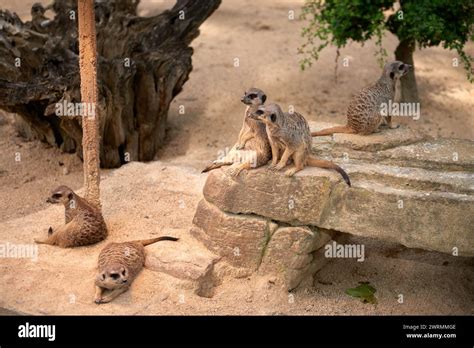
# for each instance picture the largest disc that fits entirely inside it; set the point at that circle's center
(118, 266)
(364, 111)
(84, 222)
(290, 136)
(253, 148)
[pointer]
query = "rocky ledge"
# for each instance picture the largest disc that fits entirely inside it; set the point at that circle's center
(406, 188)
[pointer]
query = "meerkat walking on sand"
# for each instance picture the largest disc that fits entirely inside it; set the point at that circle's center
(253, 148)
(290, 138)
(84, 222)
(364, 112)
(119, 264)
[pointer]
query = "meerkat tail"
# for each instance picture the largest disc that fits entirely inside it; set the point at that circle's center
(216, 165)
(146, 242)
(332, 130)
(313, 162)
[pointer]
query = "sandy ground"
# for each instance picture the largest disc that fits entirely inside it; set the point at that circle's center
(264, 41)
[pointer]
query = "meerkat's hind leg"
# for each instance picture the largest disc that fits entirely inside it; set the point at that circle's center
(388, 122)
(234, 171)
(44, 241)
(298, 158)
(51, 240)
(112, 294)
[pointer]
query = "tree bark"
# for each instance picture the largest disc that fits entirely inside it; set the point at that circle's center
(90, 123)
(142, 64)
(404, 53)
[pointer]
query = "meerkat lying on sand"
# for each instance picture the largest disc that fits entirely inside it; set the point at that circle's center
(119, 264)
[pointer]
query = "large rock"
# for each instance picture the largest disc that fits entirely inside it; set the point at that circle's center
(417, 192)
(248, 243)
(239, 239)
(188, 261)
(295, 253)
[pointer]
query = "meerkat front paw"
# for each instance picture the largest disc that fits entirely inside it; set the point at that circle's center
(239, 146)
(291, 172)
(98, 300)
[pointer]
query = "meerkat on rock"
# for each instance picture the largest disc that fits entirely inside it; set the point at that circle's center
(290, 138)
(84, 222)
(364, 112)
(253, 148)
(119, 264)
(253, 98)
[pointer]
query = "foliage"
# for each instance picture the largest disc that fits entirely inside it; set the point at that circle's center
(365, 292)
(427, 22)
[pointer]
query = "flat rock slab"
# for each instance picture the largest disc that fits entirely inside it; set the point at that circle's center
(420, 195)
(382, 140)
(401, 147)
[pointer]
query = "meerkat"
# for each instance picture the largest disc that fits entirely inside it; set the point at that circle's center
(84, 222)
(253, 98)
(290, 138)
(118, 265)
(364, 111)
(253, 148)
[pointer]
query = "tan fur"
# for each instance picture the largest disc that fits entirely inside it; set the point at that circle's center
(84, 222)
(252, 143)
(119, 264)
(290, 139)
(363, 113)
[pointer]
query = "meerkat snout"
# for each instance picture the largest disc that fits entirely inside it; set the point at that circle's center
(253, 96)
(112, 278)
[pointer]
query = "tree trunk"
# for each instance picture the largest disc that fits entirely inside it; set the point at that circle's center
(90, 123)
(404, 53)
(142, 64)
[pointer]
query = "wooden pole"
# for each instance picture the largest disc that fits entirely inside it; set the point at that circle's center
(90, 122)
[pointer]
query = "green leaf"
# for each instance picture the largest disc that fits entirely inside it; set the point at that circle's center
(365, 292)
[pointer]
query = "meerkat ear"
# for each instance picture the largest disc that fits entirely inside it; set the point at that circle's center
(392, 75)
(70, 196)
(273, 117)
(264, 97)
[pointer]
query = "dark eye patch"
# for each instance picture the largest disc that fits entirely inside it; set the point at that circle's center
(273, 117)
(259, 112)
(252, 96)
(57, 195)
(114, 275)
(401, 67)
